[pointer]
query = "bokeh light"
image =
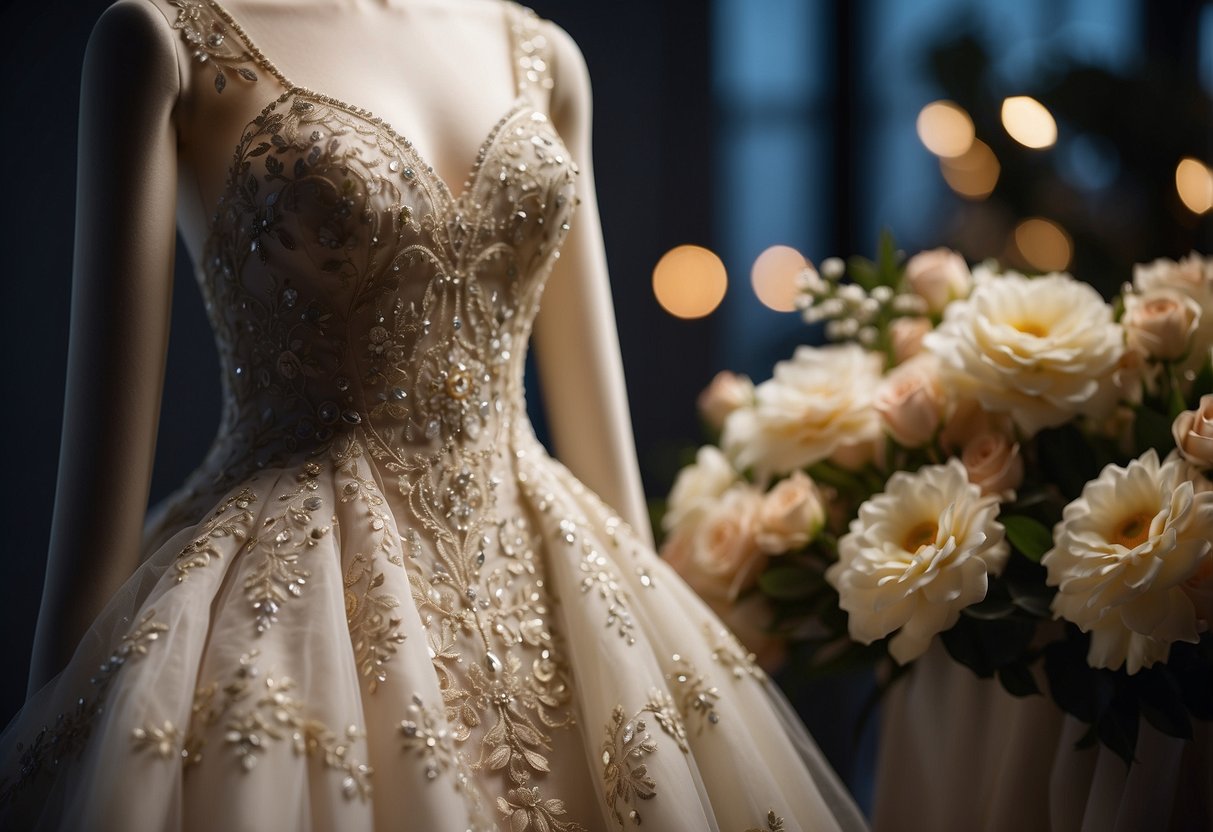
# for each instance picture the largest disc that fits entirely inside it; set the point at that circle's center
(689, 281)
(774, 277)
(974, 174)
(1194, 182)
(1044, 244)
(1029, 122)
(945, 128)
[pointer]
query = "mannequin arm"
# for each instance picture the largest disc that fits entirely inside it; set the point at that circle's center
(577, 345)
(121, 298)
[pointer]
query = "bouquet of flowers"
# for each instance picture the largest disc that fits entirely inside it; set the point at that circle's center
(1007, 463)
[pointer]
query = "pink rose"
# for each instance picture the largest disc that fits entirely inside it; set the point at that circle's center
(1193, 432)
(790, 516)
(724, 556)
(911, 401)
(1160, 323)
(969, 420)
(906, 335)
(938, 276)
(993, 463)
(727, 392)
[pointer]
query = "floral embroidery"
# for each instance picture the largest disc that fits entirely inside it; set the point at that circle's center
(695, 695)
(527, 810)
(204, 30)
(56, 744)
(161, 740)
(426, 734)
(199, 551)
(774, 824)
(624, 774)
(728, 652)
(256, 710)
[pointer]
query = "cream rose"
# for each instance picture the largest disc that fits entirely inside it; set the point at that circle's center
(911, 401)
(939, 277)
(1193, 277)
(697, 488)
(1193, 432)
(906, 335)
(1042, 350)
(791, 515)
(916, 556)
(818, 403)
(994, 464)
(727, 392)
(1161, 323)
(720, 558)
(1123, 554)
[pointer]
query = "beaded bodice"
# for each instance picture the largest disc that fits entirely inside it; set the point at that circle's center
(349, 285)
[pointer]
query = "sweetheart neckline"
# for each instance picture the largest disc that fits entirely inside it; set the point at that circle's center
(449, 199)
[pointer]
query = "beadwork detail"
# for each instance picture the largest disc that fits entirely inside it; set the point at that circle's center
(696, 697)
(204, 30)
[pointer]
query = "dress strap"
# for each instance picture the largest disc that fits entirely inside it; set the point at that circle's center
(532, 59)
(207, 27)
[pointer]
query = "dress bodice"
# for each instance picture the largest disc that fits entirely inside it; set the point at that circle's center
(349, 285)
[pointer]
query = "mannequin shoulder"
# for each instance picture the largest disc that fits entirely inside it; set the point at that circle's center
(570, 75)
(133, 41)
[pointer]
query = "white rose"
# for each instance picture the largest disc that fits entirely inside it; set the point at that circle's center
(790, 516)
(1123, 554)
(1193, 432)
(727, 392)
(916, 556)
(1161, 323)
(1042, 350)
(911, 401)
(1193, 277)
(939, 277)
(698, 487)
(906, 336)
(818, 403)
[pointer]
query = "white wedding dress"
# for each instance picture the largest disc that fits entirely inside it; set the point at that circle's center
(379, 603)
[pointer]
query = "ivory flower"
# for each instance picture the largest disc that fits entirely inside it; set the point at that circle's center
(911, 401)
(994, 465)
(916, 556)
(1123, 553)
(791, 514)
(698, 487)
(1193, 432)
(1043, 350)
(727, 392)
(1193, 277)
(720, 558)
(1161, 323)
(818, 403)
(938, 276)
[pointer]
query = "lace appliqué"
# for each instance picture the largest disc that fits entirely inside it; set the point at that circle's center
(232, 519)
(258, 711)
(696, 697)
(54, 745)
(625, 775)
(527, 809)
(206, 33)
(729, 654)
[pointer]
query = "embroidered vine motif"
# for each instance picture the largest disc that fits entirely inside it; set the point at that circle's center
(281, 540)
(232, 519)
(526, 809)
(257, 711)
(425, 734)
(56, 744)
(728, 652)
(774, 824)
(161, 740)
(625, 775)
(205, 32)
(695, 696)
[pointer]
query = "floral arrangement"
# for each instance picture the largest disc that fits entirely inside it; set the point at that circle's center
(1006, 463)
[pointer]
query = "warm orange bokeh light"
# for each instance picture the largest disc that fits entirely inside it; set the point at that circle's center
(945, 128)
(774, 277)
(974, 174)
(1029, 122)
(689, 281)
(1194, 182)
(1044, 244)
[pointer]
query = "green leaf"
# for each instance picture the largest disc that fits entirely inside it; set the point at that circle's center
(887, 260)
(789, 583)
(864, 272)
(1018, 680)
(1029, 536)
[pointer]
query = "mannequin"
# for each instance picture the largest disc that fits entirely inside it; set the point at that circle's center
(146, 166)
(379, 602)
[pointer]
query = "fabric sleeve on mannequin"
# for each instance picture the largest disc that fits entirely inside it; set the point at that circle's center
(577, 345)
(125, 243)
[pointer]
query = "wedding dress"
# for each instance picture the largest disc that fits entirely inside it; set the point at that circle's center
(380, 603)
